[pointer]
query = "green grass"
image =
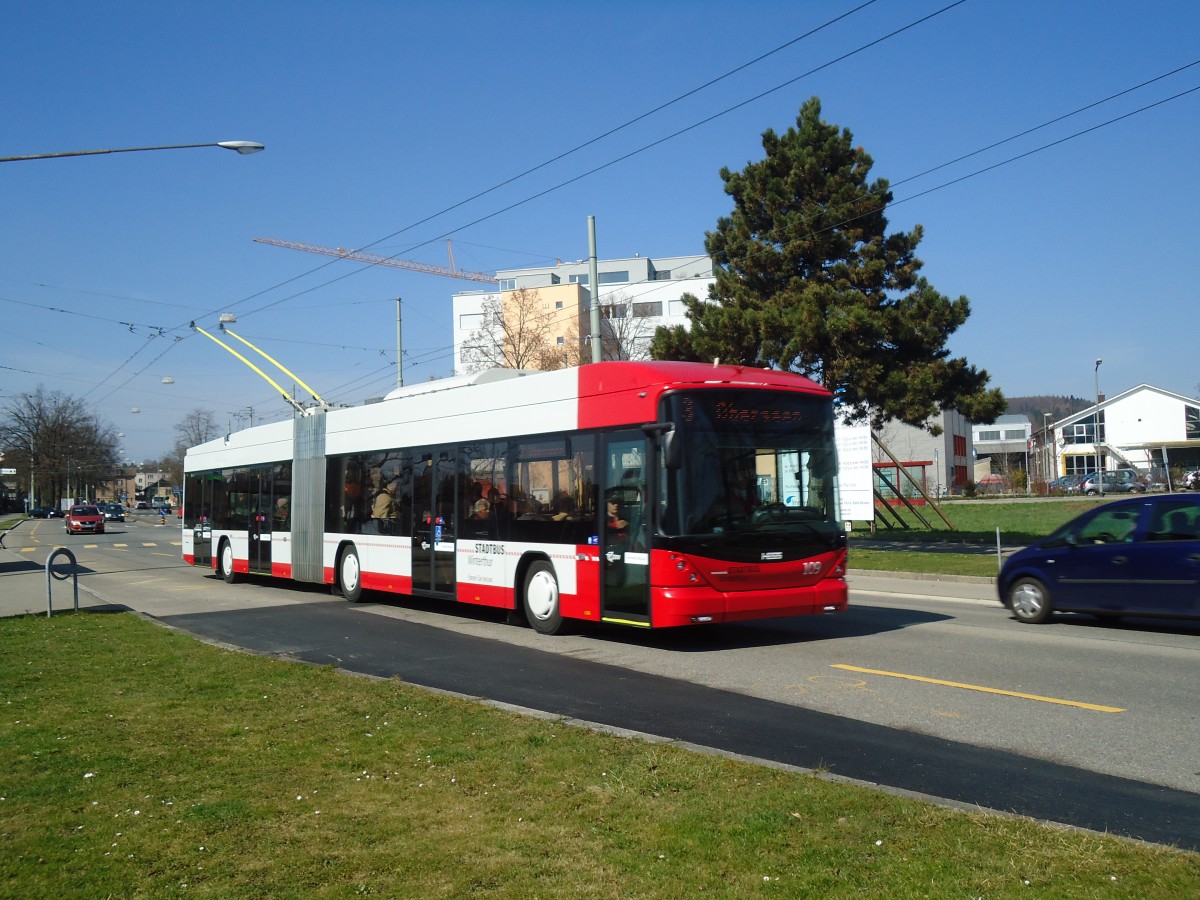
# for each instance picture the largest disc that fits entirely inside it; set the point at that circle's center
(140, 762)
(1019, 522)
(975, 525)
(979, 565)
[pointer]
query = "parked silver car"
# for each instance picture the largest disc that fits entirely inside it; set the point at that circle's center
(1123, 481)
(1070, 483)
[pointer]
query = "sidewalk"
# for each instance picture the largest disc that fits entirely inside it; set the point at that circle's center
(23, 588)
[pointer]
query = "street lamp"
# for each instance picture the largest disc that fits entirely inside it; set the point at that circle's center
(241, 147)
(1099, 459)
(1047, 470)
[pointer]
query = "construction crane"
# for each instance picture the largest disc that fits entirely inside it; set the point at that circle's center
(358, 256)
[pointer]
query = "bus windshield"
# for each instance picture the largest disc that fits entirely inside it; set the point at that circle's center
(754, 463)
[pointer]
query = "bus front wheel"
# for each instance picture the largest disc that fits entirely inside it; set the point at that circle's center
(541, 599)
(350, 575)
(226, 557)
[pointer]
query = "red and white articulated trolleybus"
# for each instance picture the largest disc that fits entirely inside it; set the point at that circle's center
(648, 494)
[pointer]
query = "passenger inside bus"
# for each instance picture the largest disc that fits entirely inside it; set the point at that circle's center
(282, 515)
(383, 510)
(481, 522)
(564, 505)
(616, 525)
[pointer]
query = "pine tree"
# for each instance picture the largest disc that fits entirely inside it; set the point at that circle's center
(807, 279)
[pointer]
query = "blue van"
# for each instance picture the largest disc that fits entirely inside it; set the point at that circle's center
(1139, 556)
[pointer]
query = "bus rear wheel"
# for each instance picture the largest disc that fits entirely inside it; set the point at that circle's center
(541, 599)
(350, 575)
(226, 558)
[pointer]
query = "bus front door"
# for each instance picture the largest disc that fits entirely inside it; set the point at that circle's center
(433, 540)
(202, 545)
(625, 547)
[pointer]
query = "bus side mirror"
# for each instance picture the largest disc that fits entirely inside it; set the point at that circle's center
(672, 450)
(663, 434)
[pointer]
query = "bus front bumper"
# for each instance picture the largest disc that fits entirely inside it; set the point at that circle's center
(693, 606)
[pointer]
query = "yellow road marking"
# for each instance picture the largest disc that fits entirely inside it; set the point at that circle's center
(987, 690)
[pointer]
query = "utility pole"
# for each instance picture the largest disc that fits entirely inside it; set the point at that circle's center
(1099, 458)
(399, 348)
(593, 284)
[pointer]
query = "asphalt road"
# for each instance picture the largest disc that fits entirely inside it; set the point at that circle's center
(777, 691)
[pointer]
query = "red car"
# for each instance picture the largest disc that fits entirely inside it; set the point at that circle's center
(84, 519)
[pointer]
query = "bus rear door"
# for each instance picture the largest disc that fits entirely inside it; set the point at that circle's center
(433, 534)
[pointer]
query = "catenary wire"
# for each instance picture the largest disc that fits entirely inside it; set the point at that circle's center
(903, 181)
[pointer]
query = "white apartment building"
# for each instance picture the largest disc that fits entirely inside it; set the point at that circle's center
(637, 294)
(1144, 428)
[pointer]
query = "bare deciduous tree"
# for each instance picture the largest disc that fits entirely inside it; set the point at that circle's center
(53, 439)
(197, 427)
(628, 328)
(517, 333)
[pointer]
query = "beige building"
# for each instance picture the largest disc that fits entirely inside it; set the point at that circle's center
(636, 295)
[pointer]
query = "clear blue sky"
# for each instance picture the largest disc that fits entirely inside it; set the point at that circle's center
(379, 115)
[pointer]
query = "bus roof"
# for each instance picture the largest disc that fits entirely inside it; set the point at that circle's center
(499, 403)
(651, 372)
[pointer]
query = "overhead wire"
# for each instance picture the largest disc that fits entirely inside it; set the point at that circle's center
(617, 290)
(602, 167)
(607, 165)
(523, 174)
(1009, 160)
(578, 147)
(737, 106)
(990, 168)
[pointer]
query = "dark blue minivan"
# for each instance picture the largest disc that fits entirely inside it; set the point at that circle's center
(1135, 557)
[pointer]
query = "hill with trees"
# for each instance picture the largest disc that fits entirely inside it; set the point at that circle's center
(1059, 407)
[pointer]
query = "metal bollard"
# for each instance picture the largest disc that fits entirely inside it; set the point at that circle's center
(50, 573)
